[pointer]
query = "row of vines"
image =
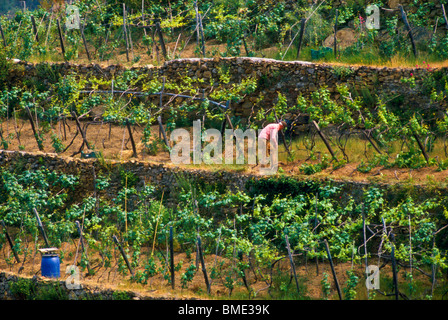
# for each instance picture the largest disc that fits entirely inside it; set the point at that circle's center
(385, 132)
(251, 233)
(142, 29)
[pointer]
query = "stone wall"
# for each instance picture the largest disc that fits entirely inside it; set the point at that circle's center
(163, 176)
(45, 287)
(167, 177)
(291, 78)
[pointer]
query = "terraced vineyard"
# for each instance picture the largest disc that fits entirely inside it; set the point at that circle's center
(86, 153)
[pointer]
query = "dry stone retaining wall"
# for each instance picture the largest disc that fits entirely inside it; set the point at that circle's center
(86, 292)
(291, 78)
(165, 176)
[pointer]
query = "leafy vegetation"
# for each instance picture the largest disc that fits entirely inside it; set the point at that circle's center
(246, 229)
(246, 27)
(252, 225)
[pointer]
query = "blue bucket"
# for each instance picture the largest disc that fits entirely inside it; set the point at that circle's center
(50, 266)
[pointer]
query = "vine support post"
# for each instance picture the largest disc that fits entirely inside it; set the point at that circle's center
(291, 261)
(204, 270)
(202, 35)
(243, 274)
(36, 35)
(83, 135)
(367, 135)
(223, 126)
(315, 226)
(125, 33)
(60, 38)
(408, 28)
(123, 254)
(33, 127)
(171, 257)
(162, 41)
(433, 267)
(10, 242)
(78, 226)
(84, 41)
(302, 30)
(134, 149)
(324, 139)
(421, 146)
(48, 28)
(162, 129)
(394, 265)
(335, 36)
(97, 200)
(41, 228)
(444, 16)
(3, 36)
(364, 239)
(332, 269)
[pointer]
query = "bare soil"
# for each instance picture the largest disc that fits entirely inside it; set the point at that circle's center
(113, 141)
(309, 273)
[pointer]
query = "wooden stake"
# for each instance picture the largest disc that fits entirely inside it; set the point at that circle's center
(243, 274)
(364, 240)
(229, 122)
(95, 191)
(371, 142)
(302, 29)
(197, 22)
(36, 136)
(78, 226)
(324, 139)
(125, 32)
(85, 41)
(202, 34)
(60, 38)
(41, 228)
(123, 255)
(315, 226)
(291, 261)
(223, 126)
(335, 37)
(171, 257)
(10, 242)
(394, 265)
(408, 27)
(332, 269)
(49, 27)
(204, 270)
(83, 135)
(134, 150)
(162, 129)
(422, 147)
(444, 15)
(157, 223)
(3, 36)
(36, 35)
(162, 42)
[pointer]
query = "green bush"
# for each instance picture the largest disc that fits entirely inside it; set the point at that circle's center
(22, 289)
(5, 66)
